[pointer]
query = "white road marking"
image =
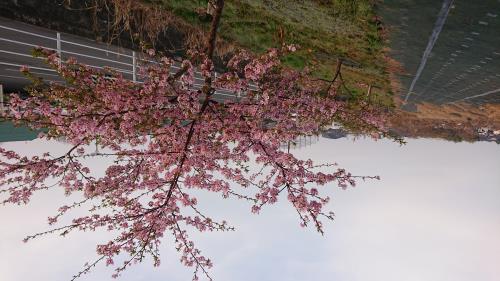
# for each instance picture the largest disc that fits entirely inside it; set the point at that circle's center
(480, 95)
(251, 87)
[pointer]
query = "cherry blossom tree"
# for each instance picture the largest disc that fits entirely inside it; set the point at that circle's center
(167, 139)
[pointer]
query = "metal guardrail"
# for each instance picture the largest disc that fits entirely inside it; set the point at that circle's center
(59, 43)
(130, 68)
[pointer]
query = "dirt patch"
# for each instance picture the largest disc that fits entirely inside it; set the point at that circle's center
(456, 122)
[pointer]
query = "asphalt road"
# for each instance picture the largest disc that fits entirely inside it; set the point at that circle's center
(17, 41)
(464, 63)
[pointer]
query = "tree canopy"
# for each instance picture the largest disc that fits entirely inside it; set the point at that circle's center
(167, 138)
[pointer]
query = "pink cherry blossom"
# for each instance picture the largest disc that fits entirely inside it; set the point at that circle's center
(167, 139)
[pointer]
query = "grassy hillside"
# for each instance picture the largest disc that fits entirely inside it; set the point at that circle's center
(325, 29)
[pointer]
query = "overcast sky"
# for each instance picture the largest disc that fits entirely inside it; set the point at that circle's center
(434, 216)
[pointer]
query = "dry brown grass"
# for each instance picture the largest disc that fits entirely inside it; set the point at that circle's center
(452, 122)
(488, 114)
(146, 22)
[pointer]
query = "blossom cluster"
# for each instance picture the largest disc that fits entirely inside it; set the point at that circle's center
(168, 138)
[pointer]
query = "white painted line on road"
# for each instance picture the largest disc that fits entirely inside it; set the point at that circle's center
(93, 66)
(112, 68)
(26, 44)
(251, 87)
(15, 77)
(18, 54)
(97, 58)
(52, 70)
(26, 32)
(22, 78)
(95, 48)
(480, 95)
(221, 94)
(31, 67)
(40, 73)
(155, 62)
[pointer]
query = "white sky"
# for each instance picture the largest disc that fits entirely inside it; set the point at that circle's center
(434, 216)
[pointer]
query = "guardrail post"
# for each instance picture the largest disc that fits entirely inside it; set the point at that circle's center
(369, 91)
(215, 79)
(134, 70)
(59, 48)
(2, 108)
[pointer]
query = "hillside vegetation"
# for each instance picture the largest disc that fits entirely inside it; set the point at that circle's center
(326, 30)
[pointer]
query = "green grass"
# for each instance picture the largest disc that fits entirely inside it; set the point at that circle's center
(324, 29)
